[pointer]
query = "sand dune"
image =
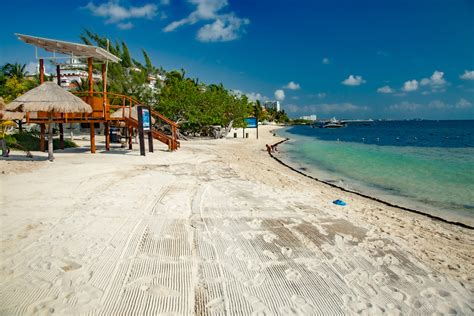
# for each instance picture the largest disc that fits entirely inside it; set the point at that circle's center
(217, 228)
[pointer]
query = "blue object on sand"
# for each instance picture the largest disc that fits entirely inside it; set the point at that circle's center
(339, 202)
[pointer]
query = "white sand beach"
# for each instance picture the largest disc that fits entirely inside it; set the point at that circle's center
(216, 228)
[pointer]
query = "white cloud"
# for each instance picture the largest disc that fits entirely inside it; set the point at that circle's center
(410, 85)
(292, 86)
(114, 13)
(292, 108)
(463, 104)
(326, 61)
(321, 95)
(438, 105)
(405, 106)
(400, 94)
(225, 27)
(435, 83)
(436, 80)
(353, 81)
(252, 96)
(385, 89)
(280, 95)
(341, 108)
(326, 108)
(125, 26)
(468, 75)
(433, 105)
(32, 67)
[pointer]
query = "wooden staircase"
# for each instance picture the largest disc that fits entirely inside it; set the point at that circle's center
(170, 140)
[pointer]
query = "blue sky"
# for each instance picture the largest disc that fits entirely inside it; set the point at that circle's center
(351, 59)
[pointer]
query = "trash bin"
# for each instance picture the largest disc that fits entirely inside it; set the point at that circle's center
(235, 135)
(246, 135)
(115, 135)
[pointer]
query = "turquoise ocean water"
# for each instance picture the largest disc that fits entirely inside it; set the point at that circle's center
(427, 165)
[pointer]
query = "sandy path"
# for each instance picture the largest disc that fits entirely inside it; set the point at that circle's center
(215, 228)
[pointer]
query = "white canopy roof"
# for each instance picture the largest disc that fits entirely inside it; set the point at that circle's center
(69, 48)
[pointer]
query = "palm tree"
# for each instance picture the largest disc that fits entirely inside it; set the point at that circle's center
(15, 70)
(83, 86)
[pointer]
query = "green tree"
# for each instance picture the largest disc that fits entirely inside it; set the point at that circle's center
(126, 58)
(14, 87)
(148, 64)
(15, 70)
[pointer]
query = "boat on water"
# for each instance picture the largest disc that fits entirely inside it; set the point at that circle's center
(333, 123)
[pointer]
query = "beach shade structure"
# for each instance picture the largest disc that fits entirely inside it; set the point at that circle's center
(9, 115)
(51, 98)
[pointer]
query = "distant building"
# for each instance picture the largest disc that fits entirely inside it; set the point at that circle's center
(311, 117)
(272, 105)
(70, 78)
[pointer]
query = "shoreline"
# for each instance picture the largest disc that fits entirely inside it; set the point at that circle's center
(362, 193)
(373, 198)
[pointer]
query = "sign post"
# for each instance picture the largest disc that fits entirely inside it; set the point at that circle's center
(141, 128)
(146, 119)
(251, 122)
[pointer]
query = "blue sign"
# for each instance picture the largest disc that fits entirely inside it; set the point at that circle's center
(146, 119)
(251, 122)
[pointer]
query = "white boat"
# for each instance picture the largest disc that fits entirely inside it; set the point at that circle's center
(333, 123)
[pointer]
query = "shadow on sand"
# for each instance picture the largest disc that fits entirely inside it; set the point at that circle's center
(22, 157)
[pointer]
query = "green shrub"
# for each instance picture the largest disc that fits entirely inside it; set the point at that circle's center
(30, 141)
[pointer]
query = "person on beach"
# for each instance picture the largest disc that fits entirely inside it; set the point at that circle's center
(269, 148)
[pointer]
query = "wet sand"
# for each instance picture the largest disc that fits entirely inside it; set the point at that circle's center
(218, 227)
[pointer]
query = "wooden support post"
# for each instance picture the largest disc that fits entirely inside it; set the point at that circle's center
(91, 91)
(90, 77)
(173, 137)
(61, 128)
(130, 135)
(104, 90)
(58, 75)
(50, 136)
(41, 70)
(92, 128)
(42, 126)
(104, 80)
(107, 135)
(42, 140)
(61, 136)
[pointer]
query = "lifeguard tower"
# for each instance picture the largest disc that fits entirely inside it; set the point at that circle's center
(102, 102)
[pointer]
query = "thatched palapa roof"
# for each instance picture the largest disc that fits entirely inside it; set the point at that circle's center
(49, 97)
(8, 115)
